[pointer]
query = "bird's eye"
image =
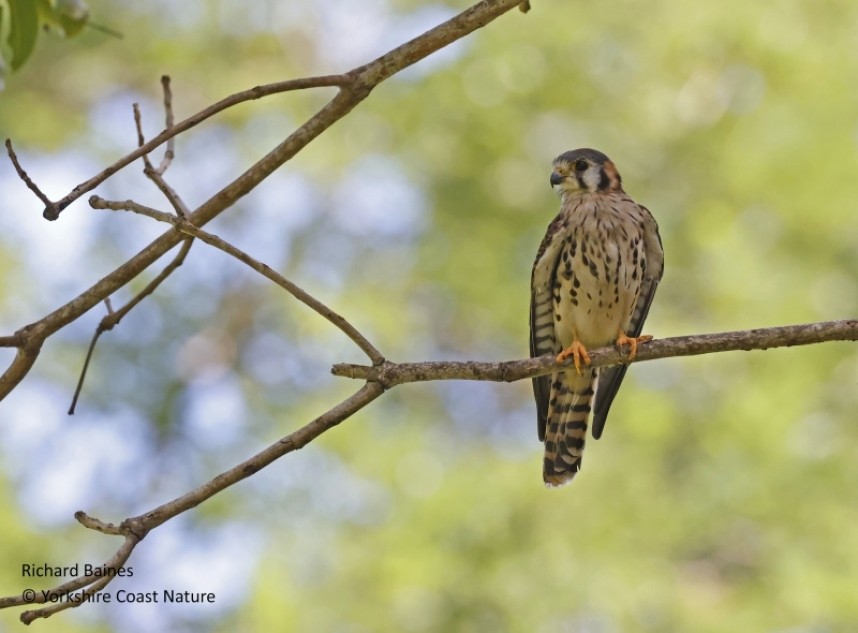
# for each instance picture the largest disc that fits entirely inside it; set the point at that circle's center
(581, 165)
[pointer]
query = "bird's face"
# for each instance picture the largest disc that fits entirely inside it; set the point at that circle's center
(584, 171)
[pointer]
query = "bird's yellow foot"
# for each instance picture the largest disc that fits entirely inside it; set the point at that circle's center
(632, 342)
(578, 353)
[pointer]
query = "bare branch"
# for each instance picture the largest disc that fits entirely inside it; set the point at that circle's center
(301, 295)
(114, 562)
(136, 528)
(97, 524)
(94, 584)
(178, 204)
(45, 612)
(96, 202)
(53, 210)
(292, 442)
(96, 335)
(354, 86)
(392, 374)
(157, 175)
(263, 269)
(169, 121)
(357, 83)
(23, 174)
(112, 318)
(138, 125)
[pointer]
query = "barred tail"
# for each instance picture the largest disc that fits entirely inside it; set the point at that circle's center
(568, 410)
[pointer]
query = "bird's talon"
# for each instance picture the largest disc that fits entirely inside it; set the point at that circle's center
(632, 342)
(578, 353)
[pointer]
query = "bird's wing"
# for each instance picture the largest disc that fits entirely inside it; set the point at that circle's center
(610, 378)
(542, 339)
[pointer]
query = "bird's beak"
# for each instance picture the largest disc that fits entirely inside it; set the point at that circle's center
(556, 179)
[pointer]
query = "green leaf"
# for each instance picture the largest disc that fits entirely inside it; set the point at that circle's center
(24, 29)
(5, 51)
(64, 17)
(73, 15)
(46, 11)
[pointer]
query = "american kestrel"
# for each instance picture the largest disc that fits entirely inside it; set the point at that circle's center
(593, 281)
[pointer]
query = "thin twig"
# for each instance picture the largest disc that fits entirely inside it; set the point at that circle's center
(296, 291)
(113, 318)
(392, 374)
(84, 369)
(169, 193)
(52, 210)
(138, 124)
(24, 176)
(97, 202)
(156, 175)
(169, 121)
(97, 524)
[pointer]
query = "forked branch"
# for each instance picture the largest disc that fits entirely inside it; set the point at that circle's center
(353, 86)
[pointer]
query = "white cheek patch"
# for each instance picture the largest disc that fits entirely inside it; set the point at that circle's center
(591, 178)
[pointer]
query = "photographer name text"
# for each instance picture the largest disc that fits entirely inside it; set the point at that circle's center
(31, 570)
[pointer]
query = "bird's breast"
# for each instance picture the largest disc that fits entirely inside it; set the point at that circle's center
(598, 276)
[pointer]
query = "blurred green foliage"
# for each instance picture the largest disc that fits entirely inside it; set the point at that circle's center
(724, 494)
(21, 20)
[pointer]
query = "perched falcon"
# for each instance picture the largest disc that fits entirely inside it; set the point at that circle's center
(593, 282)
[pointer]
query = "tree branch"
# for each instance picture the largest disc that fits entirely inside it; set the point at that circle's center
(169, 121)
(53, 209)
(112, 318)
(391, 374)
(292, 442)
(354, 87)
(23, 174)
(16, 340)
(266, 271)
(135, 529)
(157, 175)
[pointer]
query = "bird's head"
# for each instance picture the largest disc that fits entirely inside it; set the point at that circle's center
(584, 171)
